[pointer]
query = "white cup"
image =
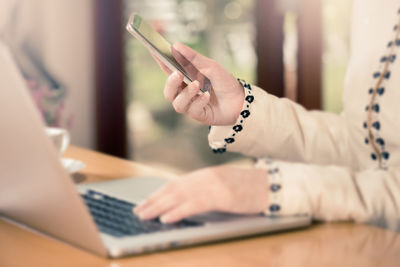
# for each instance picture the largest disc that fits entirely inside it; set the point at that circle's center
(60, 138)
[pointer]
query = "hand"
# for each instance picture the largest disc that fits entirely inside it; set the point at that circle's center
(224, 188)
(221, 106)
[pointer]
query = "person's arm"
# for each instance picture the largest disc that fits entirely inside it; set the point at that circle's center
(333, 193)
(282, 129)
(328, 193)
(246, 119)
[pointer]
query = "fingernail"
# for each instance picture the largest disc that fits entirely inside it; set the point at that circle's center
(175, 74)
(165, 219)
(142, 216)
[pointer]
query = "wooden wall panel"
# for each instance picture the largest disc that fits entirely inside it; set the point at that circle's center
(269, 47)
(110, 90)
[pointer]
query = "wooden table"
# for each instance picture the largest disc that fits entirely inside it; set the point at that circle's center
(341, 244)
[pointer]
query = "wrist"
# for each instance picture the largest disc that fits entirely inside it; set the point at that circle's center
(239, 102)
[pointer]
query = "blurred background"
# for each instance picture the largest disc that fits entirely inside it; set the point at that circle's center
(87, 74)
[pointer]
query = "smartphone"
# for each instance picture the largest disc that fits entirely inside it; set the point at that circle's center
(163, 50)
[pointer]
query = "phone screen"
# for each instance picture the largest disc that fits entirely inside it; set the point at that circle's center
(155, 42)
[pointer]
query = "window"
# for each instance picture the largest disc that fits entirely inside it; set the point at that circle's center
(223, 30)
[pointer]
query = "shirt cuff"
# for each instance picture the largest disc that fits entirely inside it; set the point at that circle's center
(221, 136)
(286, 197)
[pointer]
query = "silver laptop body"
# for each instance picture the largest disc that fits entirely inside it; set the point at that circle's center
(36, 191)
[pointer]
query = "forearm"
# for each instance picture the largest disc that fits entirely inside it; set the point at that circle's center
(284, 130)
(333, 193)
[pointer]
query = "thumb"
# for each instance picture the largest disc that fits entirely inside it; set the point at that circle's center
(199, 61)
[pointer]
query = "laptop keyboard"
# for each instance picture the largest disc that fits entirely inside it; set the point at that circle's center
(115, 217)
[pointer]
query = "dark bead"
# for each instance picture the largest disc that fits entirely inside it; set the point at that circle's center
(250, 98)
(274, 208)
(390, 44)
(385, 155)
(380, 141)
(272, 171)
(237, 128)
(375, 108)
(229, 140)
(380, 91)
(373, 156)
(376, 125)
(376, 74)
(370, 91)
(275, 187)
(365, 125)
(219, 150)
(366, 140)
(392, 58)
(387, 75)
(245, 113)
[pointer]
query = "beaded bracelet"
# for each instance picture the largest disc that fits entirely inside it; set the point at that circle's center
(245, 113)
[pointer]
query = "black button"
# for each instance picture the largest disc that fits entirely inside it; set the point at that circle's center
(385, 155)
(245, 113)
(376, 74)
(376, 125)
(275, 187)
(250, 98)
(237, 128)
(380, 141)
(274, 208)
(229, 140)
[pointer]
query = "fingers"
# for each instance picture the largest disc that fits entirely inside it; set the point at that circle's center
(172, 86)
(154, 198)
(184, 99)
(182, 211)
(198, 109)
(159, 207)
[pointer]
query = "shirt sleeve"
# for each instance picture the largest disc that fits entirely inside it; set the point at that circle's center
(282, 129)
(333, 193)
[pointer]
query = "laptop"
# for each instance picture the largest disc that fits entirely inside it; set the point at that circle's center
(37, 192)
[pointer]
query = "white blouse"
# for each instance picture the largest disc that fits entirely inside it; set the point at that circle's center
(334, 167)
